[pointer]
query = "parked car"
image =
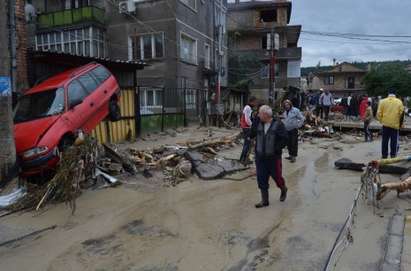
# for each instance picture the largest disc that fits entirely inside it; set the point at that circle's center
(49, 115)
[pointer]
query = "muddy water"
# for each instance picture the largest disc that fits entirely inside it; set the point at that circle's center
(197, 225)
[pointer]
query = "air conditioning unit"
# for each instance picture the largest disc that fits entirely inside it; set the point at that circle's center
(127, 6)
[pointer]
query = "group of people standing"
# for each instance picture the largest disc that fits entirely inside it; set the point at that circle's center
(272, 134)
(320, 103)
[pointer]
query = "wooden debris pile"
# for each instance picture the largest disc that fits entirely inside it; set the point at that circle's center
(315, 127)
(77, 165)
(172, 160)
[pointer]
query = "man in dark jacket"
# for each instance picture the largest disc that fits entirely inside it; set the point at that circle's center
(271, 138)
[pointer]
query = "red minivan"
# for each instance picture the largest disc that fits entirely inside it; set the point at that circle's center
(49, 115)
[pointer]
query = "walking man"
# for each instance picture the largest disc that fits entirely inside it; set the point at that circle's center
(368, 115)
(271, 138)
(245, 124)
(390, 114)
(293, 120)
(326, 100)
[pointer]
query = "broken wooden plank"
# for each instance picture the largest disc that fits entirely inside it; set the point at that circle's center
(122, 158)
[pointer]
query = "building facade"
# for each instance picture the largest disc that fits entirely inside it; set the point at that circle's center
(250, 26)
(182, 41)
(341, 80)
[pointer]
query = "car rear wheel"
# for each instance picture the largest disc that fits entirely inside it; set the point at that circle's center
(114, 110)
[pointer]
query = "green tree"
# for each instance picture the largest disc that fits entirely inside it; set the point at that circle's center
(388, 76)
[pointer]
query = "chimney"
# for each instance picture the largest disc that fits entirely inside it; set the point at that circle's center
(334, 61)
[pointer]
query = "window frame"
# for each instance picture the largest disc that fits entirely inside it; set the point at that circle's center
(207, 54)
(195, 8)
(196, 48)
(139, 39)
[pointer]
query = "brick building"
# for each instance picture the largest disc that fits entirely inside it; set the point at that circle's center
(249, 23)
(183, 41)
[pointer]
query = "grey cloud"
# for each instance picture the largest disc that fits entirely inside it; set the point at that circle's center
(392, 17)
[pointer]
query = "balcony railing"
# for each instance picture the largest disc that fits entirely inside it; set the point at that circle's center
(70, 17)
(293, 53)
(282, 54)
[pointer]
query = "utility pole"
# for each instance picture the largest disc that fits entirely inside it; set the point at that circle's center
(272, 45)
(7, 147)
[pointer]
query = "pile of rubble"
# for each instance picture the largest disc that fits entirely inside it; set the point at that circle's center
(177, 162)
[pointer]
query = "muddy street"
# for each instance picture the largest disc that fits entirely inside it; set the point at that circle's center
(203, 225)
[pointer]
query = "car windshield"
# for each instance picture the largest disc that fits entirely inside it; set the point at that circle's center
(39, 105)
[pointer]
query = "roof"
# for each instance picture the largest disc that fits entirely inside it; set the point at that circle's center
(260, 5)
(75, 60)
(343, 68)
(60, 79)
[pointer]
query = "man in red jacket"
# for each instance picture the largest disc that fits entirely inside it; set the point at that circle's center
(245, 124)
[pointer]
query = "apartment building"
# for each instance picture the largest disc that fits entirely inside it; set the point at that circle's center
(249, 23)
(182, 41)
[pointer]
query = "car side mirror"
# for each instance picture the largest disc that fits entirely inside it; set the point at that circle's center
(75, 102)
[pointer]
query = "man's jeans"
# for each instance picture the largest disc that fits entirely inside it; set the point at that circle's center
(389, 135)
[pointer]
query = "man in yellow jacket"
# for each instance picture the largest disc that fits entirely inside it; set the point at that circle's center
(391, 115)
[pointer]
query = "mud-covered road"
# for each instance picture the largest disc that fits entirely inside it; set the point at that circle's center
(203, 225)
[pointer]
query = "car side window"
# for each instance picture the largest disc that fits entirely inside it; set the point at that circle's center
(101, 74)
(88, 82)
(76, 93)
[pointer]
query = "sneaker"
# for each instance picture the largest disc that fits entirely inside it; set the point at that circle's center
(288, 158)
(293, 159)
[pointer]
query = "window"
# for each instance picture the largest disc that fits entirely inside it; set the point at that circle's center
(207, 56)
(329, 80)
(87, 41)
(265, 71)
(101, 74)
(188, 49)
(148, 46)
(88, 82)
(151, 100)
(76, 92)
(268, 16)
(190, 3)
(40, 105)
(351, 82)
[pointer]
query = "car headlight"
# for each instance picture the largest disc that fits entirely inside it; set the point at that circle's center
(35, 151)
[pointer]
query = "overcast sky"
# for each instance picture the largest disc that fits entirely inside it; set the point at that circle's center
(386, 17)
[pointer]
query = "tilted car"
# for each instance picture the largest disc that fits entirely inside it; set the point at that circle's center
(49, 115)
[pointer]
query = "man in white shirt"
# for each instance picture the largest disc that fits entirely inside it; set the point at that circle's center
(245, 124)
(326, 100)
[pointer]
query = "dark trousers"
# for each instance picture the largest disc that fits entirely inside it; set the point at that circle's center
(247, 145)
(367, 132)
(326, 110)
(292, 143)
(319, 111)
(389, 135)
(267, 168)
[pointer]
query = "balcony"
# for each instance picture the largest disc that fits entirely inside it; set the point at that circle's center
(70, 17)
(289, 53)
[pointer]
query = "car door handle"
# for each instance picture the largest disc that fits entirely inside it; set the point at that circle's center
(105, 91)
(91, 104)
